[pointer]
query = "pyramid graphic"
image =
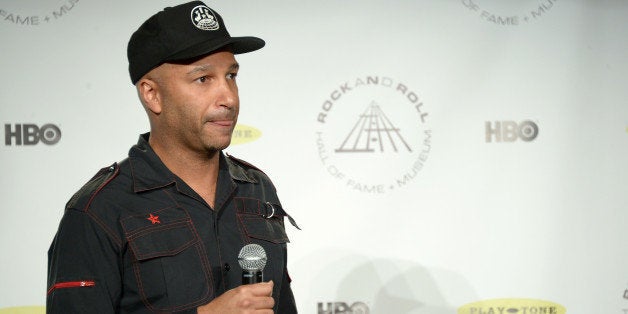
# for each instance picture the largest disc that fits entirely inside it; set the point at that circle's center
(373, 132)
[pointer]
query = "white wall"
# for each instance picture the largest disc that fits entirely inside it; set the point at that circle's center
(544, 219)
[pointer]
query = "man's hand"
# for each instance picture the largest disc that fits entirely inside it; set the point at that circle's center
(256, 298)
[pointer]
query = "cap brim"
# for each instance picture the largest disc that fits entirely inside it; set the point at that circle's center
(237, 45)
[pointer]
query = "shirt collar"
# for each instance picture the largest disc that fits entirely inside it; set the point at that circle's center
(149, 172)
(237, 171)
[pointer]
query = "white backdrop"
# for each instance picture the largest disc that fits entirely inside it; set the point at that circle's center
(441, 206)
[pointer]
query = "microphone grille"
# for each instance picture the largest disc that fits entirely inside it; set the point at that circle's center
(252, 257)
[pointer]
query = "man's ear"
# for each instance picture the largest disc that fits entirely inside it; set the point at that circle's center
(149, 93)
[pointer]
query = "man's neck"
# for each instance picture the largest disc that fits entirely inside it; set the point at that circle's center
(199, 171)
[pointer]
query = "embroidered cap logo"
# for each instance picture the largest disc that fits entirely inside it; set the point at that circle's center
(203, 18)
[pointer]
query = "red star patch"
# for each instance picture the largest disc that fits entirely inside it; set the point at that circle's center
(154, 219)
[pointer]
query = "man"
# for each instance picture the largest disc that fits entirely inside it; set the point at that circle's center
(160, 232)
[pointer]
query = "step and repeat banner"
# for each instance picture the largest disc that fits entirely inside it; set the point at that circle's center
(440, 156)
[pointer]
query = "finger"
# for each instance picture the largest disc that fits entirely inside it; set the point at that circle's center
(255, 290)
(259, 289)
(260, 303)
(257, 303)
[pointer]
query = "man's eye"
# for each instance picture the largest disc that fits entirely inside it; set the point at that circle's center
(202, 79)
(232, 76)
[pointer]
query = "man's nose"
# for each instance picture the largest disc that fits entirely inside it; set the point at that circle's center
(227, 94)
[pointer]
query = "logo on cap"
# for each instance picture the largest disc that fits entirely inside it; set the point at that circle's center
(204, 18)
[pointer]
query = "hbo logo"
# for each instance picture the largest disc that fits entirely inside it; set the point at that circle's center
(343, 308)
(31, 134)
(510, 131)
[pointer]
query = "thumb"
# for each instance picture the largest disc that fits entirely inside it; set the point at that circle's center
(272, 284)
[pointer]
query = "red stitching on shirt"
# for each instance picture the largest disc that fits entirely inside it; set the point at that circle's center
(72, 284)
(200, 250)
(116, 170)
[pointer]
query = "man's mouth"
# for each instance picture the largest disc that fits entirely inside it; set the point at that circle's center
(225, 123)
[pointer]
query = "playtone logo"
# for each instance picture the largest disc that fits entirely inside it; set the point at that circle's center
(512, 306)
(342, 308)
(31, 134)
(244, 134)
(24, 310)
(511, 131)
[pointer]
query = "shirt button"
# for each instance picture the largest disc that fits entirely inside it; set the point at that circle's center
(227, 267)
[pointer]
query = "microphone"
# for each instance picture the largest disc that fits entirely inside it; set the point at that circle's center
(252, 259)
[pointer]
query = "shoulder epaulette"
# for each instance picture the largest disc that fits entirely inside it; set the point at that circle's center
(243, 163)
(82, 199)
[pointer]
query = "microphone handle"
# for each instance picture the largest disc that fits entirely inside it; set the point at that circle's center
(252, 276)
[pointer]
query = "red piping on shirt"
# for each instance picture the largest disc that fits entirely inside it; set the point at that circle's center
(72, 284)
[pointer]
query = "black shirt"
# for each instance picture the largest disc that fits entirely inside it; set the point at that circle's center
(137, 239)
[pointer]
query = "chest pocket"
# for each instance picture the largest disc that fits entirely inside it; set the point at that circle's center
(171, 273)
(262, 220)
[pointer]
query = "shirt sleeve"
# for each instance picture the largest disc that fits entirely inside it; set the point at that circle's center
(83, 267)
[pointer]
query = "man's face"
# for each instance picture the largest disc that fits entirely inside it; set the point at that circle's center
(200, 102)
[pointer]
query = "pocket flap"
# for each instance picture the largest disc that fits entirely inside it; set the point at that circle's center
(160, 232)
(166, 240)
(268, 229)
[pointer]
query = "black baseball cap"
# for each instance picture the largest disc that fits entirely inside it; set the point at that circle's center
(182, 32)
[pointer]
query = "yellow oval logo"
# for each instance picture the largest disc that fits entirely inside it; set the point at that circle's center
(24, 310)
(512, 306)
(244, 134)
